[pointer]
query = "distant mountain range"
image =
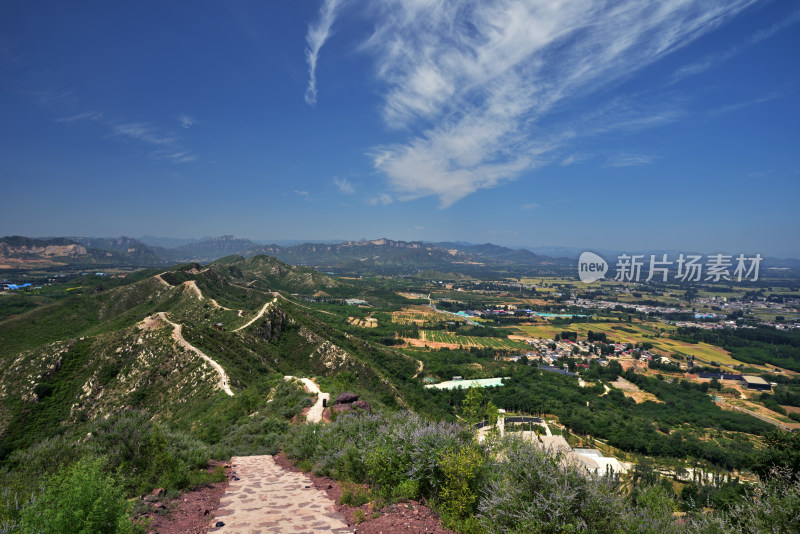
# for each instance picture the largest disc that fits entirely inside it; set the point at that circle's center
(17, 252)
(379, 256)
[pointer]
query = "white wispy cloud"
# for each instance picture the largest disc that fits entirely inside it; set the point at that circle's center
(712, 60)
(162, 146)
(478, 82)
(344, 185)
(53, 96)
(187, 121)
(88, 116)
(730, 108)
(380, 200)
(62, 100)
(317, 34)
(305, 194)
(630, 160)
(142, 132)
(574, 159)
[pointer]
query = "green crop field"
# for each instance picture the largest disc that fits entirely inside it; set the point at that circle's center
(438, 336)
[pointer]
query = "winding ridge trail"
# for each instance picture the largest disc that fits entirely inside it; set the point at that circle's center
(193, 285)
(262, 497)
(177, 335)
(314, 414)
(261, 312)
(163, 282)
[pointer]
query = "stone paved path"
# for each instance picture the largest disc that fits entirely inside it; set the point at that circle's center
(268, 499)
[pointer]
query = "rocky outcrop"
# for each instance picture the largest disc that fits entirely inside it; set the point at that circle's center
(348, 402)
(273, 325)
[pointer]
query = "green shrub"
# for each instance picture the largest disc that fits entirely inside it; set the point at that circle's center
(461, 477)
(202, 477)
(254, 435)
(45, 457)
(354, 495)
(350, 465)
(387, 467)
(406, 490)
(79, 499)
(300, 443)
(146, 454)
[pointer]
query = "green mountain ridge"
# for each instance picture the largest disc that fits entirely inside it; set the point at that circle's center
(73, 361)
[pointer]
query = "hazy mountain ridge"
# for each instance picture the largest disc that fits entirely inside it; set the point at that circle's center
(366, 257)
(18, 252)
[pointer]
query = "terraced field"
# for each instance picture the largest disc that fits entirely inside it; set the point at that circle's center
(438, 336)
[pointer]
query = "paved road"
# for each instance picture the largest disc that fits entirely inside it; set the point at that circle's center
(268, 499)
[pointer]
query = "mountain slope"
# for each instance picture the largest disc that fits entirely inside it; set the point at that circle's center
(94, 354)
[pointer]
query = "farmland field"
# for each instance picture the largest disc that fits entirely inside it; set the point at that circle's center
(438, 336)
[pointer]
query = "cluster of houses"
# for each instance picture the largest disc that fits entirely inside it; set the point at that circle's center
(610, 305)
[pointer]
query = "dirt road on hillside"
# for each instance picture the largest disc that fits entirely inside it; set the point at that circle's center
(314, 414)
(177, 335)
(260, 314)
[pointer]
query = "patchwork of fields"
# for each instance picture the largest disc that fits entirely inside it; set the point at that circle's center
(438, 336)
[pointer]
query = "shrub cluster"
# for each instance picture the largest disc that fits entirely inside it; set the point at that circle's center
(513, 486)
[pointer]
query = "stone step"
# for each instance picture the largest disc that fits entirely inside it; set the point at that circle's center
(268, 499)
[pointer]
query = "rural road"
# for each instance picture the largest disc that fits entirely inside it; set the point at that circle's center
(314, 415)
(263, 497)
(177, 335)
(754, 414)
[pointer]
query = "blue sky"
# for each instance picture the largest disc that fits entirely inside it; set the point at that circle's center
(621, 125)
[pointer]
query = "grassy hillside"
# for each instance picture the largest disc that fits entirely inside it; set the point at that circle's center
(68, 363)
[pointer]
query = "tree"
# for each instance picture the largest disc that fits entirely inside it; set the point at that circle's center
(783, 451)
(80, 498)
(491, 413)
(472, 409)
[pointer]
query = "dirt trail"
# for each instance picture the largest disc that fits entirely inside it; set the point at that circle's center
(261, 312)
(314, 414)
(263, 497)
(419, 368)
(191, 284)
(163, 282)
(177, 335)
